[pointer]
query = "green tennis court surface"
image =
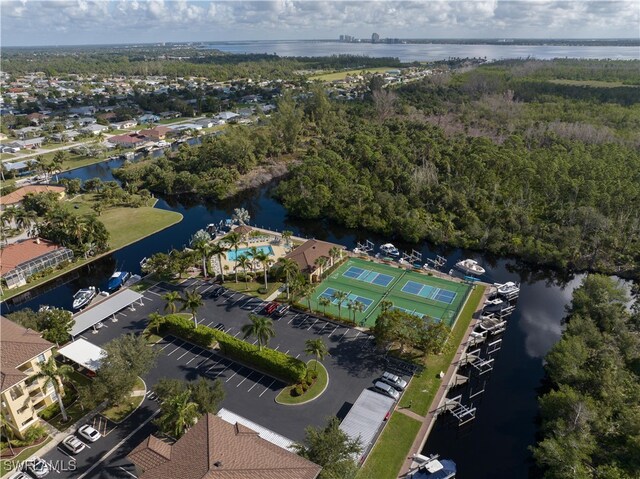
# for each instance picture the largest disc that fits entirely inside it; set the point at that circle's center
(369, 283)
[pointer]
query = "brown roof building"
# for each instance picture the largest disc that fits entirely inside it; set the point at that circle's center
(20, 260)
(15, 198)
(155, 134)
(307, 253)
(216, 449)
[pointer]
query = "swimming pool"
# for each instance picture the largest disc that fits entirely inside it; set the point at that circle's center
(231, 255)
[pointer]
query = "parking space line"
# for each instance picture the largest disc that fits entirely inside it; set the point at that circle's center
(192, 347)
(276, 348)
(234, 373)
(359, 332)
(236, 335)
(127, 472)
(312, 324)
(245, 378)
(214, 365)
(287, 351)
(236, 302)
(259, 307)
(267, 388)
(123, 314)
(169, 343)
(345, 333)
(205, 359)
(297, 356)
(334, 330)
(231, 297)
(229, 329)
(153, 292)
(175, 349)
(293, 318)
(207, 289)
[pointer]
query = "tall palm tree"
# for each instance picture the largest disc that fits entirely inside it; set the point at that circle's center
(244, 262)
(320, 263)
(179, 412)
(261, 328)
(286, 236)
(8, 433)
(253, 253)
(54, 375)
(324, 302)
(218, 250)
(340, 296)
(192, 300)
(385, 305)
(289, 268)
(358, 307)
(8, 216)
(155, 321)
(265, 260)
(205, 251)
(234, 240)
(172, 297)
(317, 348)
(334, 254)
(306, 291)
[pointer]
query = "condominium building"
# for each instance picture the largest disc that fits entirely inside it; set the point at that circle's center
(22, 395)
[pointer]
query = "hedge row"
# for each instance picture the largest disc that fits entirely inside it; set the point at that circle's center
(270, 361)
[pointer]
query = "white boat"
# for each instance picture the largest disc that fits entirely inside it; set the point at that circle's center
(470, 266)
(83, 297)
(508, 290)
(389, 250)
(432, 467)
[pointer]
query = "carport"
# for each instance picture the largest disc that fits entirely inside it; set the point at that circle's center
(84, 353)
(105, 309)
(366, 418)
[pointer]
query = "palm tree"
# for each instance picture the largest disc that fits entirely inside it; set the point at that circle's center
(289, 268)
(324, 302)
(306, 291)
(234, 240)
(54, 375)
(261, 328)
(317, 348)
(172, 297)
(320, 263)
(286, 236)
(218, 250)
(179, 412)
(357, 307)
(254, 252)
(8, 433)
(155, 321)
(266, 262)
(205, 250)
(340, 296)
(244, 262)
(241, 215)
(334, 254)
(192, 300)
(385, 305)
(8, 216)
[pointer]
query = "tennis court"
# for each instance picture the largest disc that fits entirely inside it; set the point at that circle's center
(371, 283)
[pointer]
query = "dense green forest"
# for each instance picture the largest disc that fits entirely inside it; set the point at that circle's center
(591, 416)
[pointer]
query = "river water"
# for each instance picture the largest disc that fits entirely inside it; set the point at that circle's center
(425, 52)
(494, 445)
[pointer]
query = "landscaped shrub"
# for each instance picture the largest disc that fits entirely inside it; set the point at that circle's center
(297, 391)
(267, 360)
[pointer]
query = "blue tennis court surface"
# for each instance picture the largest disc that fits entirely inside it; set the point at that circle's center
(429, 292)
(368, 276)
(328, 293)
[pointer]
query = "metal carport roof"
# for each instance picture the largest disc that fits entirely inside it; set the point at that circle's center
(103, 310)
(84, 353)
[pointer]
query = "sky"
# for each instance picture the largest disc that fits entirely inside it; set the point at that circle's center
(81, 22)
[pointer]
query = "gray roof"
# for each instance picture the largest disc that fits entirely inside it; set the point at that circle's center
(103, 310)
(18, 165)
(84, 353)
(366, 417)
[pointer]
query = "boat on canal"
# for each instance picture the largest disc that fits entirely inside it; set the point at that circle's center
(470, 267)
(83, 297)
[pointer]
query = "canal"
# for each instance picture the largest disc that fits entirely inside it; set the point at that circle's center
(496, 444)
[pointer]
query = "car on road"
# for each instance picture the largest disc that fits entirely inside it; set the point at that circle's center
(216, 292)
(219, 326)
(270, 307)
(384, 388)
(394, 381)
(89, 433)
(19, 475)
(282, 310)
(73, 444)
(37, 467)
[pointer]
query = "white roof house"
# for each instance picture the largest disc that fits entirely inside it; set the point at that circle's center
(227, 115)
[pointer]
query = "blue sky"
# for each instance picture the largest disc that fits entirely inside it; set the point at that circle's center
(64, 22)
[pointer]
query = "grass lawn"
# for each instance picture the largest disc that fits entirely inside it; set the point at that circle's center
(7, 464)
(394, 443)
(312, 393)
(74, 410)
(119, 412)
(343, 74)
(252, 286)
(387, 456)
(168, 121)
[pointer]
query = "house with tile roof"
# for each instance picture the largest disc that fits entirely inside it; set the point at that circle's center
(309, 252)
(22, 351)
(217, 449)
(15, 198)
(21, 260)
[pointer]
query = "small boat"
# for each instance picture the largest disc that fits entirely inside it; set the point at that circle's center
(389, 250)
(83, 297)
(508, 290)
(432, 467)
(470, 266)
(117, 280)
(212, 229)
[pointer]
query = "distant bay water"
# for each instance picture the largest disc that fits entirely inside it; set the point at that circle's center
(425, 52)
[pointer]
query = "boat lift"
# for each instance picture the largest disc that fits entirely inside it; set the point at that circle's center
(413, 258)
(437, 263)
(461, 412)
(365, 247)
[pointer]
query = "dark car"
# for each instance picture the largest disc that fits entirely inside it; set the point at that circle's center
(270, 308)
(217, 292)
(282, 310)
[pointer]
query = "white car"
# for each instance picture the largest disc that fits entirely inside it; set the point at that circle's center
(38, 467)
(73, 444)
(89, 433)
(387, 390)
(393, 381)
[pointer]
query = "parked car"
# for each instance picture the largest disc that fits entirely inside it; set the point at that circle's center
(89, 433)
(37, 467)
(387, 390)
(220, 327)
(394, 381)
(217, 292)
(282, 310)
(270, 308)
(73, 444)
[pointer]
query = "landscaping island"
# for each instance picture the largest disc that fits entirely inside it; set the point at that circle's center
(316, 384)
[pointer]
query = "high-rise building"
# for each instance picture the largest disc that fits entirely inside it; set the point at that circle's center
(375, 38)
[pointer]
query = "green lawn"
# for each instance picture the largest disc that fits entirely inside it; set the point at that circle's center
(252, 286)
(8, 464)
(119, 412)
(312, 393)
(394, 443)
(341, 75)
(389, 453)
